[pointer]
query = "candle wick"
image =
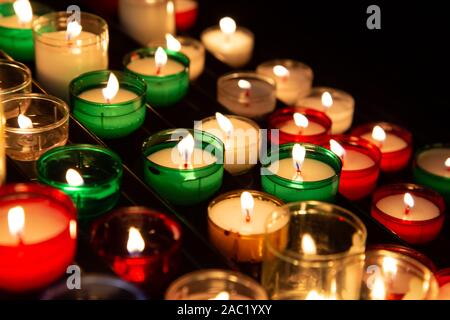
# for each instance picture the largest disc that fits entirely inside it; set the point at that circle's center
(407, 209)
(108, 100)
(158, 70)
(247, 215)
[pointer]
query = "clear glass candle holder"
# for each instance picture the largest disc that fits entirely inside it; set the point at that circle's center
(162, 90)
(390, 275)
(91, 175)
(15, 78)
(109, 120)
(215, 284)
(183, 186)
(290, 190)
(247, 94)
(35, 123)
(321, 255)
(60, 58)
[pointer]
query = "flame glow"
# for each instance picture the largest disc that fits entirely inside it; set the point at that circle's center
(447, 163)
(223, 295)
(111, 89)
(16, 220)
(24, 122)
(281, 71)
(73, 178)
(301, 120)
(135, 243)
(73, 229)
(227, 25)
(327, 99)
(224, 124)
(73, 30)
(23, 11)
(378, 289)
(160, 57)
(247, 203)
(378, 134)
(244, 84)
(408, 200)
(186, 147)
(308, 244)
(314, 295)
(337, 148)
(172, 43)
(389, 266)
(298, 156)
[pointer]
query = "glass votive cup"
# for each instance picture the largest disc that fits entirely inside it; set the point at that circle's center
(142, 246)
(283, 120)
(184, 186)
(415, 227)
(247, 94)
(95, 287)
(34, 124)
(186, 12)
(293, 81)
(360, 166)
(398, 158)
(321, 255)
(430, 169)
(91, 175)
(60, 59)
(162, 90)
(390, 275)
(215, 284)
(39, 253)
(290, 190)
(109, 120)
(15, 78)
(443, 279)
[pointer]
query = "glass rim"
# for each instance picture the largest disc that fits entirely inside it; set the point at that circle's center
(59, 103)
(184, 41)
(233, 75)
(23, 69)
(437, 145)
(322, 89)
(287, 63)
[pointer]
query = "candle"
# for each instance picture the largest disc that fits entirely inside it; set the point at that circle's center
(432, 168)
(15, 78)
(34, 124)
(90, 175)
(110, 104)
(141, 245)
(228, 43)
(240, 137)
(297, 124)
(186, 12)
(184, 166)
(236, 224)
(147, 21)
(293, 78)
(337, 104)
(412, 212)
(443, 278)
(165, 72)
(58, 42)
(215, 284)
(394, 142)
(301, 172)
(246, 94)
(37, 236)
(361, 165)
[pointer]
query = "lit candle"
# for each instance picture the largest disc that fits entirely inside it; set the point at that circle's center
(337, 104)
(236, 224)
(231, 45)
(186, 12)
(21, 19)
(293, 78)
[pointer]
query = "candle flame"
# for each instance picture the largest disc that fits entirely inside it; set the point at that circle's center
(298, 156)
(24, 122)
(16, 220)
(244, 84)
(337, 148)
(327, 99)
(301, 120)
(172, 43)
(23, 11)
(160, 59)
(224, 124)
(389, 266)
(185, 148)
(73, 229)
(112, 87)
(227, 25)
(135, 243)
(223, 295)
(281, 71)
(408, 200)
(447, 163)
(73, 30)
(247, 205)
(378, 134)
(73, 178)
(308, 245)
(314, 295)
(378, 289)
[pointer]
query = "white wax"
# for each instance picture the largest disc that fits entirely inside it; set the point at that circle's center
(170, 158)
(56, 66)
(312, 170)
(312, 128)
(147, 67)
(234, 49)
(394, 206)
(14, 23)
(41, 223)
(96, 95)
(391, 144)
(227, 215)
(444, 292)
(355, 160)
(433, 161)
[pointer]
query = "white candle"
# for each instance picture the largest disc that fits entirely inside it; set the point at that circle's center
(444, 292)
(351, 159)
(386, 141)
(232, 45)
(422, 209)
(312, 170)
(300, 125)
(435, 161)
(23, 17)
(148, 66)
(96, 95)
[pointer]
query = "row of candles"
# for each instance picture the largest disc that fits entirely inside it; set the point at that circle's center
(111, 104)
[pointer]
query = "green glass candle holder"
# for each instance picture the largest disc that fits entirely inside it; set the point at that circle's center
(184, 186)
(290, 190)
(162, 90)
(94, 181)
(17, 41)
(109, 120)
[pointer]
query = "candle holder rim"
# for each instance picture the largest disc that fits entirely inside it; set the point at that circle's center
(331, 90)
(427, 147)
(182, 39)
(39, 96)
(441, 275)
(26, 71)
(287, 63)
(246, 74)
(217, 27)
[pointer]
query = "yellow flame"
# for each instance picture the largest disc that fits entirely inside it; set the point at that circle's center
(223, 295)
(24, 122)
(16, 220)
(244, 84)
(314, 295)
(160, 57)
(227, 25)
(408, 200)
(135, 243)
(186, 147)
(23, 11)
(298, 156)
(378, 289)
(308, 244)
(172, 43)
(224, 123)
(112, 87)
(73, 178)
(447, 162)
(247, 203)
(170, 7)
(378, 134)
(389, 266)
(281, 71)
(301, 120)
(73, 29)
(327, 99)
(337, 148)
(73, 229)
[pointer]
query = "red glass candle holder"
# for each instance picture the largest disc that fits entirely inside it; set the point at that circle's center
(395, 160)
(443, 279)
(357, 184)
(186, 12)
(152, 258)
(412, 231)
(40, 253)
(281, 116)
